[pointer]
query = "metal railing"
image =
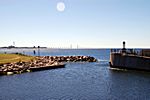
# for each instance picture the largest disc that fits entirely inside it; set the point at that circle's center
(127, 51)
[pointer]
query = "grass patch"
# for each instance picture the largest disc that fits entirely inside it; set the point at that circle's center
(11, 58)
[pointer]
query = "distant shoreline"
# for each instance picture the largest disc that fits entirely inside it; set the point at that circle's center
(61, 48)
(20, 47)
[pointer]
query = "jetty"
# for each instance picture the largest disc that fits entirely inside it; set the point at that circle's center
(130, 59)
(21, 64)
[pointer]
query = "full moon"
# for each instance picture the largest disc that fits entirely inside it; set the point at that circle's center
(60, 6)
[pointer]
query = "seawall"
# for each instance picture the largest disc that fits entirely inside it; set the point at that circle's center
(119, 60)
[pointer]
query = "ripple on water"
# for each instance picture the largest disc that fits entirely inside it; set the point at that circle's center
(78, 81)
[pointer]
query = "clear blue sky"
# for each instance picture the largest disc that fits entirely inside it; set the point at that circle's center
(88, 23)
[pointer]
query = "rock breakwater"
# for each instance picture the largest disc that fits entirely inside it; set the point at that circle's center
(70, 58)
(41, 62)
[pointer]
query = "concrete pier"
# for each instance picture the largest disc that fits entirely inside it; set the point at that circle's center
(125, 61)
(130, 59)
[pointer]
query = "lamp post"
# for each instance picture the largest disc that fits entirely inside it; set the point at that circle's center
(38, 50)
(34, 50)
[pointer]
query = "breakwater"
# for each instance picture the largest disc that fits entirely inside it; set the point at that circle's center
(130, 59)
(126, 61)
(43, 62)
(70, 58)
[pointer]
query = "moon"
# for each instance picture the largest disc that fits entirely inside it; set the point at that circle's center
(60, 6)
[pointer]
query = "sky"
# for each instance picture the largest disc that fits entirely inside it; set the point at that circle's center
(86, 23)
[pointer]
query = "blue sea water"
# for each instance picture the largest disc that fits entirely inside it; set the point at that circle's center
(77, 81)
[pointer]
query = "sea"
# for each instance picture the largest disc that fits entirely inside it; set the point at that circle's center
(77, 81)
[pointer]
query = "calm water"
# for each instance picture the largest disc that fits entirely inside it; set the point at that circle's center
(78, 81)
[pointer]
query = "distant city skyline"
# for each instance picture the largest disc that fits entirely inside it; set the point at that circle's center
(80, 23)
